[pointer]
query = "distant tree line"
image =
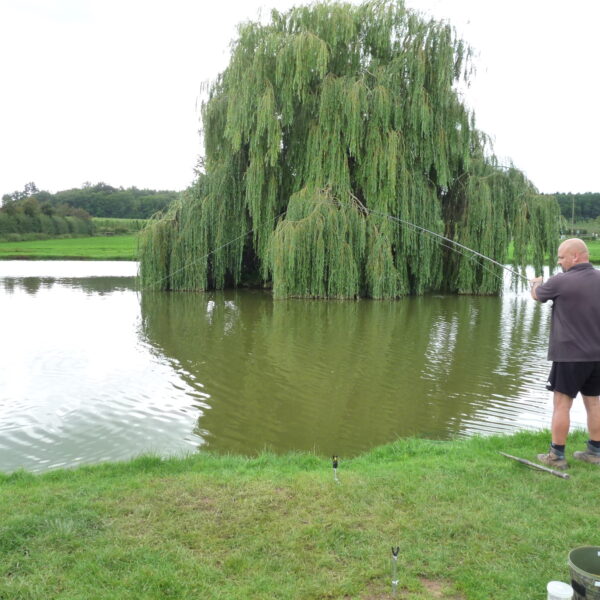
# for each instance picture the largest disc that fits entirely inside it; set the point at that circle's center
(580, 207)
(99, 200)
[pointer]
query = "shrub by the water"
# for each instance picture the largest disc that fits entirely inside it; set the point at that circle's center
(27, 217)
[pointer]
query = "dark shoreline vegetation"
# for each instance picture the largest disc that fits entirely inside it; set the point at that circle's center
(470, 524)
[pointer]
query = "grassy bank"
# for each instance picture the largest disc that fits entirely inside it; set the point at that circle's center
(120, 247)
(470, 524)
(117, 247)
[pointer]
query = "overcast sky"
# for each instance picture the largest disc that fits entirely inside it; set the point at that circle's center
(109, 90)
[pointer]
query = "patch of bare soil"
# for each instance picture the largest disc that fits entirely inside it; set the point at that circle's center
(432, 590)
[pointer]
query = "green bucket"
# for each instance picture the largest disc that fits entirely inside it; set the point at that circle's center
(584, 564)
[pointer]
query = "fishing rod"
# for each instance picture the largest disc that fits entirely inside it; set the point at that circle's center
(439, 236)
(446, 239)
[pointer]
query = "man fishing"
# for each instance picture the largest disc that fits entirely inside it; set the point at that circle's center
(574, 348)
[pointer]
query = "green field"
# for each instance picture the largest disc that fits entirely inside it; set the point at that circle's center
(111, 226)
(470, 524)
(594, 248)
(117, 247)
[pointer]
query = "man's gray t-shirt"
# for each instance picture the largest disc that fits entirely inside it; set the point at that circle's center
(575, 328)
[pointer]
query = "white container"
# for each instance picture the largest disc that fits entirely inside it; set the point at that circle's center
(557, 590)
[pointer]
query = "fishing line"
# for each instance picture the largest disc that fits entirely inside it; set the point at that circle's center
(193, 262)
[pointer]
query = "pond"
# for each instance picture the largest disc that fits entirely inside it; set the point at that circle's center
(94, 370)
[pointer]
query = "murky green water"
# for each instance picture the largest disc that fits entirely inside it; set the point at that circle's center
(92, 370)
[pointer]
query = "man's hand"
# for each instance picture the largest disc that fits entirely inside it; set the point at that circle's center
(533, 284)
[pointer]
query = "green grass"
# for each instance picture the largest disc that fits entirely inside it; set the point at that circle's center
(118, 247)
(114, 226)
(470, 524)
(594, 248)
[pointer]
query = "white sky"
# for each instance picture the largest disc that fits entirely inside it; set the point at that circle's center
(108, 90)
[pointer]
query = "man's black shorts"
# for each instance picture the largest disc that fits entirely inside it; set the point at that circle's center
(572, 377)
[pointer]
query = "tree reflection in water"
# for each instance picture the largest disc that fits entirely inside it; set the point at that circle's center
(341, 377)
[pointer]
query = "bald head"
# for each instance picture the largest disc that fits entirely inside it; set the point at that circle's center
(572, 252)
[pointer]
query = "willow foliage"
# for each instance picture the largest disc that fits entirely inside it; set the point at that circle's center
(329, 120)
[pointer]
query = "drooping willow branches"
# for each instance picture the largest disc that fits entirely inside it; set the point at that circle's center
(329, 120)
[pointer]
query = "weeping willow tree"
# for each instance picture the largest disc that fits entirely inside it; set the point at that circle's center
(333, 126)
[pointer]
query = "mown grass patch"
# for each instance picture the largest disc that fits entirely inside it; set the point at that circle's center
(469, 522)
(594, 248)
(118, 247)
(115, 226)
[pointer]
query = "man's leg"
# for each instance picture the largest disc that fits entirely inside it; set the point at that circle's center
(592, 452)
(592, 407)
(561, 419)
(560, 430)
